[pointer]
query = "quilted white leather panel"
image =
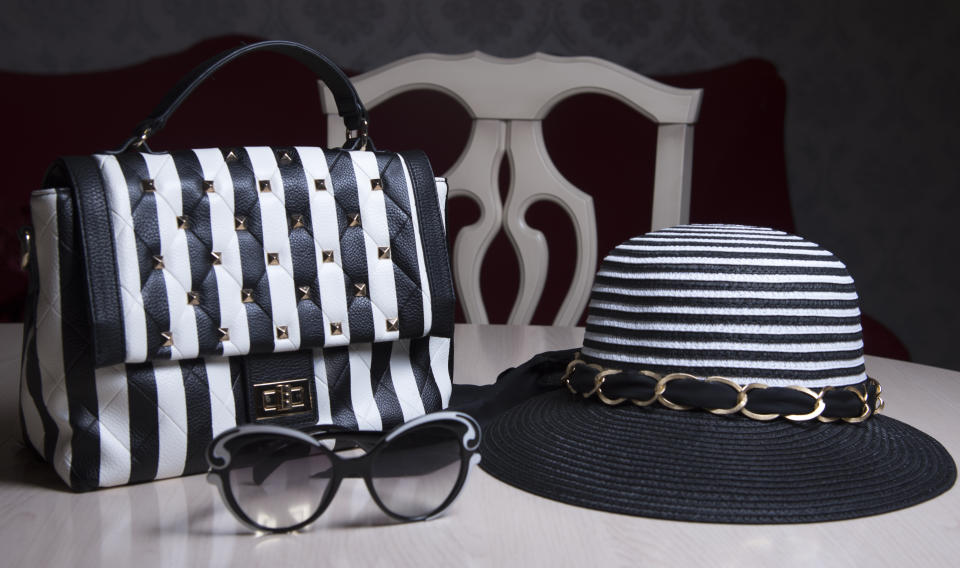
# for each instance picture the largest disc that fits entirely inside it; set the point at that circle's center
(439, 362)
(381, 285)
(273, 215)
(229, 275)
(128, 270)
(361, 394)
(326, 236)
(176, 255)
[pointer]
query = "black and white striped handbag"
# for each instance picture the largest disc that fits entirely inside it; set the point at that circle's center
(175, 295)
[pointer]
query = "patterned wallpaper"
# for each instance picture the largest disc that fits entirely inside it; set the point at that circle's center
(872, 90)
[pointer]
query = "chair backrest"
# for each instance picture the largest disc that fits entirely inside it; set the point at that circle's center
(507, 100)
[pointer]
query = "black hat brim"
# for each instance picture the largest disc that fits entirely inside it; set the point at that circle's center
(696, 466)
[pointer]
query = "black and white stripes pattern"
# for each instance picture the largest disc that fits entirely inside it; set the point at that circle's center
(746, 303)
(152, 415)
(269, 221)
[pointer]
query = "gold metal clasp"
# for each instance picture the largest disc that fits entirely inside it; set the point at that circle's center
(282, 398)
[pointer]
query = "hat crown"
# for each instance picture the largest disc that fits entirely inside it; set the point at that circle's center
(750, 304)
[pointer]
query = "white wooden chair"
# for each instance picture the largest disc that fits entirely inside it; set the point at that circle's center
(507, 100)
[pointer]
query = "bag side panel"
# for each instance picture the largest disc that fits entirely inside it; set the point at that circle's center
(62, 343)
(39, 427)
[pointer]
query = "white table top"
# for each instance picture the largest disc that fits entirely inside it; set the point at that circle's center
(181, 522)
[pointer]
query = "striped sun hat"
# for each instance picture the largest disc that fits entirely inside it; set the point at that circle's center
(721, 379)
(750, 304)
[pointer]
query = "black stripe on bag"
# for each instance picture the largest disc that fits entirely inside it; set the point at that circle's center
(296, 194)
(253, 264)
(404, 252)
(144, 422)
(336, 361)
(423, 373)
(353, 254)
(434, 238)
(203, 279)
(153, 288)
(239, 387)
(78, 360)
(196, 389)
(381, 384)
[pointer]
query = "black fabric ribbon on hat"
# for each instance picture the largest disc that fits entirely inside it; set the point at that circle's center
(545, 372)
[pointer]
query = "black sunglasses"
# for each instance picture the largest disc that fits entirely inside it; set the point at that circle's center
(278, 479)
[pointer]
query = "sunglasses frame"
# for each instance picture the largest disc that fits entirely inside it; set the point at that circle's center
(219, 459)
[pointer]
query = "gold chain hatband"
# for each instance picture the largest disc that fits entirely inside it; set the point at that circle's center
(828, 404)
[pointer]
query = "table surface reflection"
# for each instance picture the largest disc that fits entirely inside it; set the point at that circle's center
(181, 522)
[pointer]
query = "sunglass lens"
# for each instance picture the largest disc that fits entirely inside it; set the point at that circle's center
(279, 483)
(416, 472)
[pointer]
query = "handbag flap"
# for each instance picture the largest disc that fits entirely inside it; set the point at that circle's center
(259, 250)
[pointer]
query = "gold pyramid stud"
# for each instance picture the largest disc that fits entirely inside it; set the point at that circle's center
(326, 255)
(273, 258)
(193, 298)
(208, 186)
(167, 338)
(223, 334)
(336, 328)
(240, 223)
(285, 158)
(297, 221)
(232, 156)
(383, 253)
(359, 289)
(376, 184)
(158, 262)
(393, 324)
(246, 295)
(353, 219)
(147, 185)
(216, 258)
(183, 222)
(320, 184)
(303, 293)
(265, 186)
(282, 332)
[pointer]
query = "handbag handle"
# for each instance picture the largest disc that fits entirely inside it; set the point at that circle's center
(349, 107)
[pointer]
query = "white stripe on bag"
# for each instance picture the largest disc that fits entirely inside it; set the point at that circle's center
(361, 391)
(326, 236)
(439, 361)
(176, 255)
(171, 419)
(113, 402)
(229, 273)
(376, 233)
(323, 389)
(43, 208)
(128, 268)
(273, 217)
(404, 381)
(223, 408)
